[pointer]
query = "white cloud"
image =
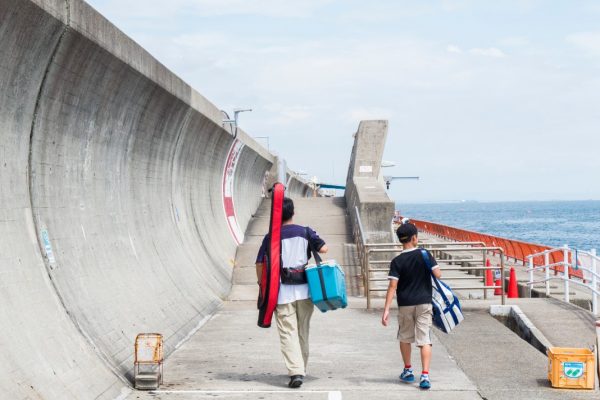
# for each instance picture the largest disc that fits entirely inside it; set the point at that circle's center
(358, 114)
(489, 52)
(589, 42)
(514, 41)
(453, 49)
(280, 114)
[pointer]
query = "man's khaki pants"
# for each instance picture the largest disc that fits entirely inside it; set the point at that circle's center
(293, 323)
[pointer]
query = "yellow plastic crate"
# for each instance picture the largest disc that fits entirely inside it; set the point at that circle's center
(570, 368)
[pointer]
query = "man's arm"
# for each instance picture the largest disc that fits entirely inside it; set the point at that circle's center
(324, 249)
(389, 297)
(259, 272)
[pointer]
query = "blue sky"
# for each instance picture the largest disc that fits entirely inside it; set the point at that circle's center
(487, 100)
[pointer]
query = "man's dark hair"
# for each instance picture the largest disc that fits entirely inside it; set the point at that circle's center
(288, 209)
(406, 231)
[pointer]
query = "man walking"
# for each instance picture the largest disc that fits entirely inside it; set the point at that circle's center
(410, 279)
(294, 306)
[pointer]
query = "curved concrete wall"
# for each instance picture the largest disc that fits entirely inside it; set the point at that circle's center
(120, 199)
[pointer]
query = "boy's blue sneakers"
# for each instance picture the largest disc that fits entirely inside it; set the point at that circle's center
(425, 383)
(407, 375)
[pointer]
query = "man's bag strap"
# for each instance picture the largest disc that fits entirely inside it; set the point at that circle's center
(318, 259)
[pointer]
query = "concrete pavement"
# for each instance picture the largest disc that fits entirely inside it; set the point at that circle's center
(352, 354)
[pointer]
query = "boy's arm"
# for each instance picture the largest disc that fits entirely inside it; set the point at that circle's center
(389, 297)
(435, 268)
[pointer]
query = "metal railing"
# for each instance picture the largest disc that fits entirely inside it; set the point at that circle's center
(586, 263)
(372, 255)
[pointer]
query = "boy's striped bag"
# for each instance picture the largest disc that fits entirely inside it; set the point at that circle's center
(447, 313)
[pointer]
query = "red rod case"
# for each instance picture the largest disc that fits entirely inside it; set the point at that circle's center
(269, 283)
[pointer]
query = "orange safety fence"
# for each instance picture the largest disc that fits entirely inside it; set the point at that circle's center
(514, 249)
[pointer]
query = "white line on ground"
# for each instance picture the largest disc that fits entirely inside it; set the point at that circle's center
(331, 394)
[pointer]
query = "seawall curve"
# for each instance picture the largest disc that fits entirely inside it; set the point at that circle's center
(122, 202)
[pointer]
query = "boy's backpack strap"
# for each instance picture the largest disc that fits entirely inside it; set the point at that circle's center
(433, 278)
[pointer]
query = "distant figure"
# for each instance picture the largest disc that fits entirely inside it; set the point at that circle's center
(294, 306)
(410, 279)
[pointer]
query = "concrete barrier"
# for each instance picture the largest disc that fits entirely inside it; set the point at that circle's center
(365, 188)
(122, 202)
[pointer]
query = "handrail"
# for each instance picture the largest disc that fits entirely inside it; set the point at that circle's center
(368, 270)
(360, 226)
(569, 263)
(365, 250)
(515, 249)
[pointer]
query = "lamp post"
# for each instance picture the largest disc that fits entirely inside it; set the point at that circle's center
(233, 123)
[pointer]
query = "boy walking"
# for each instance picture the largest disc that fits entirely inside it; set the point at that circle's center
(410, 279)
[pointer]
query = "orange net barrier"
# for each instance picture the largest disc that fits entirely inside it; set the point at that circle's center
(514, 249)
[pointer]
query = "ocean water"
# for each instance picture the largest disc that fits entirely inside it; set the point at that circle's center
(551, 223)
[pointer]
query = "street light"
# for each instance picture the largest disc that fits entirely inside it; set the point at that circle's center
(388, 179)
(234, 122)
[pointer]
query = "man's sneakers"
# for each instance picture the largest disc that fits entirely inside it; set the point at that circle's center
(295, 381)
(407, 375)
(425, 382)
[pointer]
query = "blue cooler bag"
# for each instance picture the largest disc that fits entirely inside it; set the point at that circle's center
(327, 285)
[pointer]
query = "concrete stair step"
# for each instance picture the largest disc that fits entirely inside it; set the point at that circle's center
(324, 225)
(343, 253)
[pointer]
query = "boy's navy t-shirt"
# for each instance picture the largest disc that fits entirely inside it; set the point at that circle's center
(413, 276)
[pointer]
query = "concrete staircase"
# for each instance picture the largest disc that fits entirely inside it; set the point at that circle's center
(326, 215)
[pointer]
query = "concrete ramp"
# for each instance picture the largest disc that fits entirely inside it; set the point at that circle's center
(122, 202)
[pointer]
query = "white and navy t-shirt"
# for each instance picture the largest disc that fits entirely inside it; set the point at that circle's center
(294, 253)
(413, 276)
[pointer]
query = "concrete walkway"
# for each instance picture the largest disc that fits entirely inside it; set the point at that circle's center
(352, 355)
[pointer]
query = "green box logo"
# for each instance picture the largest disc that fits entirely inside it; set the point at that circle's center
(573, 370)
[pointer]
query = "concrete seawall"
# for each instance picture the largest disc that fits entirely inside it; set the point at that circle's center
(123, 200)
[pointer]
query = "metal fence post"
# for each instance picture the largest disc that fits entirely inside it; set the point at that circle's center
(368, 278)
(566, 272)
(547, 269)
(503, 297)
(484, 274)
(594, 283)
(530, 275)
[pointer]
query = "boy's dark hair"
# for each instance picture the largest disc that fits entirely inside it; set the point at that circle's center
(288, 209)
(406, 231)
